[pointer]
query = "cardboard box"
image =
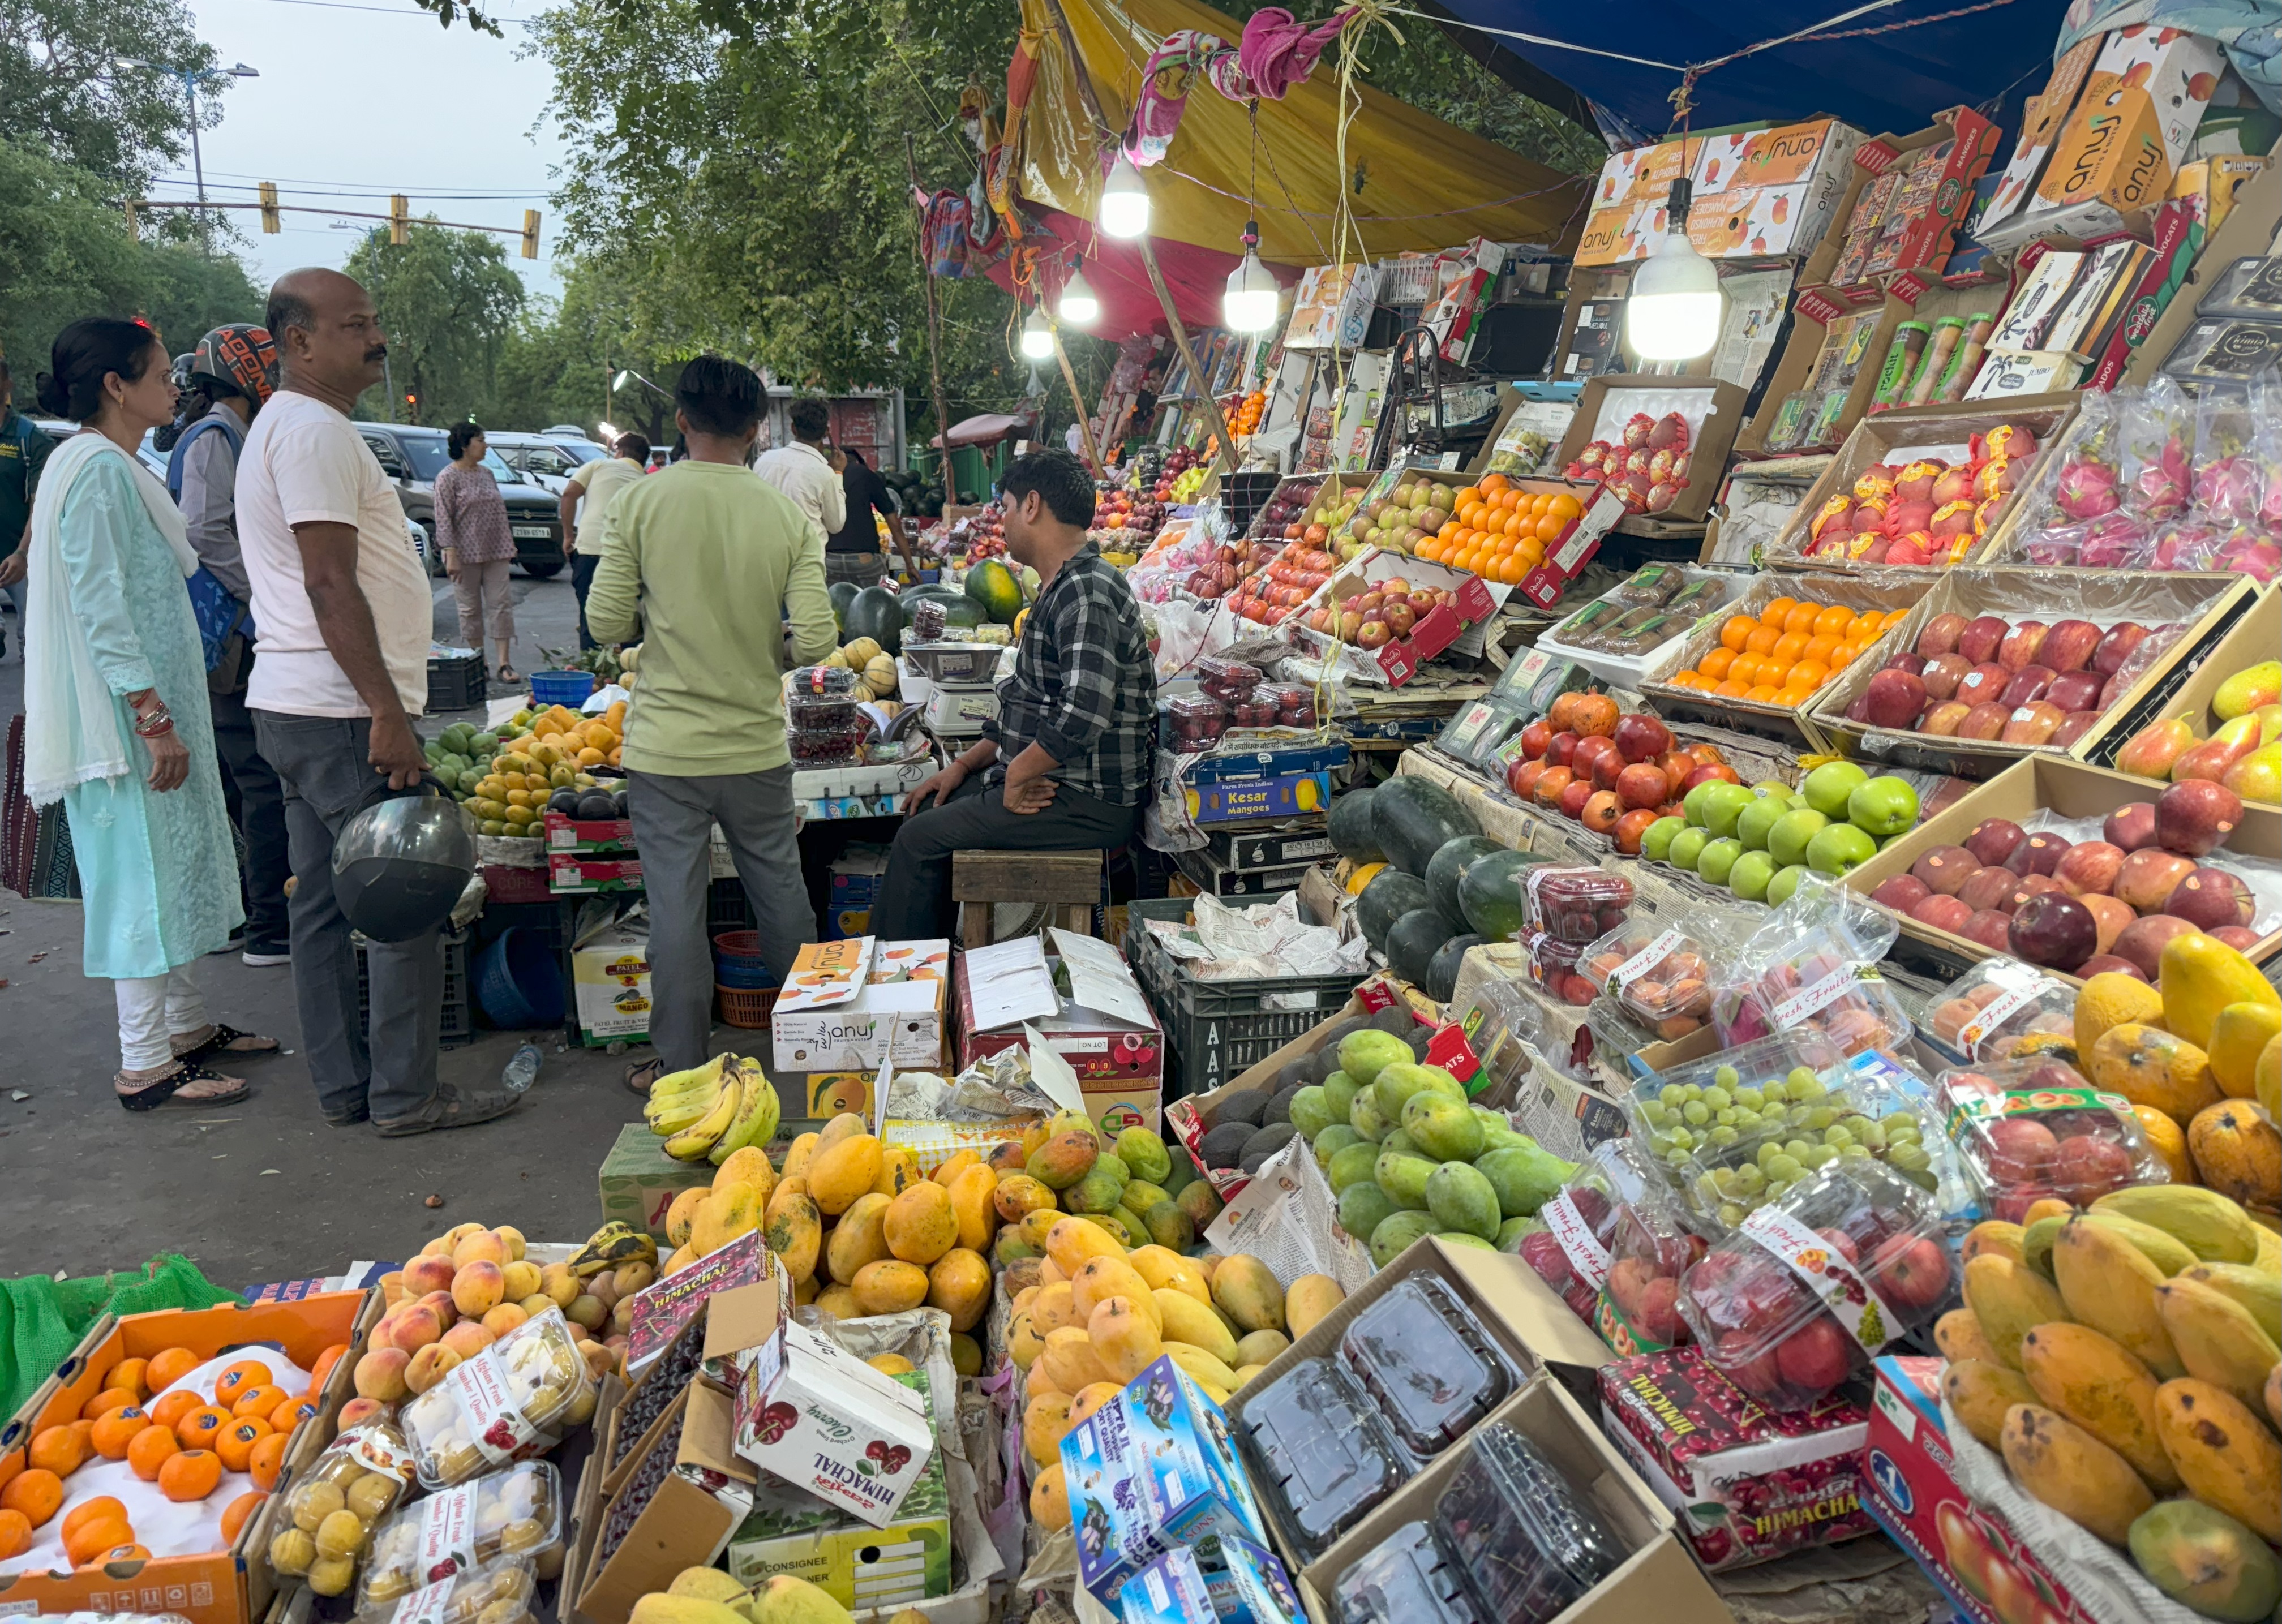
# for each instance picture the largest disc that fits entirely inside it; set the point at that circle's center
(1822, 382)
(1237, 786)
(2112, 162)
(1714, 418)
(2040, 126)
(1395, 661)
(1224, 1579)
(1907, 1488)
(676, 1512)
(2045, 781)
(855, 886)
(1115, 1110)
(825, 1421)
(2187, 689)
(737, 1287)
(568, 875)
(1915, 214)
(852, 1004)
(1760, 192)
(1105, 1029)
(2246, 233)
(565, 833)
(639, 1181)
(1332, 307)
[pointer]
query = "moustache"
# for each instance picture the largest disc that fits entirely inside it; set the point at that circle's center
(378, 352)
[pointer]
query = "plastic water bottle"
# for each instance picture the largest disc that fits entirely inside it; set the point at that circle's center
(522, 1070)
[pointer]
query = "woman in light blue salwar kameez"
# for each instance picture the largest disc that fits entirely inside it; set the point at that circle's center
(117, 725)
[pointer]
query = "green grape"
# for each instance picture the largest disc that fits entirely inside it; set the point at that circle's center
(1676, 1158)
(1820, 1116)
(1901, 1127)
(1731, 1215)
(1723, 1180)
(1718, 1099)
(1768, 1152)
(1672, 1095)
(1725, 1116)
(1694, 1091)
(1910, 1158)
(1750, 1099)
(1837, 1137)
(1796, 1148)
(1853, 1153)
(1804, 1084)
(1775, 1089)
(1723, 1136)
(1819, 1156)
(1726, 1076)
(1751, 1178)
(1697, 1112)
(1653, 1113)
(1871, 1133)
(1776, 1189)
(1785, 1168)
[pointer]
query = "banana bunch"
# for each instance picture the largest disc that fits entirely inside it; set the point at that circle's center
(707, 1112)
(614, 1244)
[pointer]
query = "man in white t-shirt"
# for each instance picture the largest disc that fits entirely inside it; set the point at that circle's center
(346, 612)
(586, 497)
(805, 471)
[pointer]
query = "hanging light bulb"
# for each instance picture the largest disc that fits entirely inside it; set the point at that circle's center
(1124, 202)
(1672, 314)
(1078, 306)
(1250, 304)
(1038, 337)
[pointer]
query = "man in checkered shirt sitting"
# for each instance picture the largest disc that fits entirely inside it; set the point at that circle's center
(1066, 766)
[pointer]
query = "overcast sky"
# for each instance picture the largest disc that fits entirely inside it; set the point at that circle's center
(374, 97)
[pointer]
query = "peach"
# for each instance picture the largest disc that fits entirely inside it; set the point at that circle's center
(429, 1366)
(392, 1288)
(504, 1318)
(468, 1338)
(417, 1326)
(536, 1303)
(604, 1289)
(425, 1274)
(485, 1246)
(357, 1412)
(519, 1280)
(590, 1311)
(447, 1311)
(380, 1375)
(440, 1246)
(600, 1361)
(478, 1288)
(458, 1233)
(556, 1281)
(512, 1239)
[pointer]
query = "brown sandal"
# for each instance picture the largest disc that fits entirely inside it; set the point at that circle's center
(185, 1085)
(643, 1074)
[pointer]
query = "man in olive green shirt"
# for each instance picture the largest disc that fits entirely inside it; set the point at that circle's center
(721, 571)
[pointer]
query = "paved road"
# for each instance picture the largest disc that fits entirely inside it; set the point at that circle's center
(263, 1190)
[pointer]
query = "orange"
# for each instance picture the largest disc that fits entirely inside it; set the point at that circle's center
(92, 1539)
(1746, 668)
(1763, 638)
(1868, 625)
(37, 1492)
(1714, 664)
(238, 1513)
(1777, 608)
(258, 1401)
(59, 1449)
(84, 1431)
(115, 1432)
(1834, 621)
(1843, 654)
(1550, 526)
(105, 1401)
(237, 1377)
(1763, 694)
(1772, 673)
(1809, 674)
(201, 1426)
(169, 1409)
(266, 1459)
(1733, 689)
(15, 1533)
(1736, 632)
(169, 1365)
(91, 1510)
(1566, 505)
(1788, 646)
(1801, 619)
(1511, 570)
(191, 1475)
(149, 1450)
(1818, 648)
(235, 1443)
(130, 1376)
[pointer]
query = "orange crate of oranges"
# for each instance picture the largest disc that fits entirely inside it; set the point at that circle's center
(1501, 529)
(118, 1436)
(1759, 664)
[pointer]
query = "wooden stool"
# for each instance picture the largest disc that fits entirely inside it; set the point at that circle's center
(1067, 881)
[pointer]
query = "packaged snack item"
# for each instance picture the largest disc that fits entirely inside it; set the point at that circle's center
(1226, 679)
(1660, 976)
(1575, 904)
(1812, 1285)
(821, 697)
(1406, 1579)
(1294, 703)
(1530, 1540)
(2034, 1130)
(1649, 1250)
(505, 1592)
(1431, 1370)
(1320, 1453)
(1570, 1253)
(518, 1512)
(1652, 583)
(1580, 628)
(2001, 1009)
(331, 1509)
(1198, 722)
(508, 1403)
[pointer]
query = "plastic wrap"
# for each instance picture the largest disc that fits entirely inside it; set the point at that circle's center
(1226, 679)
(360, 1478)
(1661, 977)
(508, 1403)
(1294, 703)
(505, 1592)
(1530, 1540)
(2035, 1130)
(2158, 446)
(1650, 1249)
(1406, 1579)
(1570, 1253)
(1196, 722)
(1575, 905)
(518, 1512)
(1813, 964)
(2001, 1004)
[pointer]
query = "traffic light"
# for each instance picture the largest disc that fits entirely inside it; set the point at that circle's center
(272, 222)
(531, 233)
(399, 220)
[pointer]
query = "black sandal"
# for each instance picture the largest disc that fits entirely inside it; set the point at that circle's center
(640, 1075)
(222, 1037)
(150, 1096)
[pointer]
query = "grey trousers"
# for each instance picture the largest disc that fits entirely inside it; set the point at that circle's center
(673, 820)
(322, 762)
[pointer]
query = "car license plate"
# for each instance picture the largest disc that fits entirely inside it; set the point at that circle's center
(531, 530)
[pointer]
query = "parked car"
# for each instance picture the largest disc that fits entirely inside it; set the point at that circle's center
(413, 458)
(542, 460)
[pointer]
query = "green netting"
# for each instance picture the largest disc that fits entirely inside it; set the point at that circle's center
(41, 1319)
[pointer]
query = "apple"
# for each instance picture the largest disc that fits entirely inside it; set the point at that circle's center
(1642, 737)
(1643, 785)
(2028, 885)
(2115, 649)
(1944, 868)
(1815, 1357)
(1600, 811)
(1836, 850)
(1981, 638)
(2242, 937)
(1993, 839)
(2194, 816)
(1374, 634)
(2110, 916)
(2019, 646)
(1896, 698)
(1985, 720)
(2089, 866)
(2039, 853)
(1942, 913)
(1943, 673)
(1909, 1271)
(2054, 930)
(1942, 721)
(1985, 684)
(2211, 900)
(1986, 888)
(2141, 942)
(1989, 927)
(1884, 807)
(2033, 723)
(2018, 1150)
(1631, 829)
(2073, 726)
(2088, 1166)
(2069, 644)
(1939, 635)
(2074, 690)
(2147, 877)
(1901, 893)
(2108, 964)
(2029, 683)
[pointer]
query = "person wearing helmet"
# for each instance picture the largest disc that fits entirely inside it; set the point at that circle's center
(224, 381)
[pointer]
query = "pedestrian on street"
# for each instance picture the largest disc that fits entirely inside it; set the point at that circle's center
(807, 471)
(1065, 768)
(116, 657)
(471, 528)
(230, 375)
(851, 553)
(23, 451)
(712, 560)
(343, 602)
(587, 496)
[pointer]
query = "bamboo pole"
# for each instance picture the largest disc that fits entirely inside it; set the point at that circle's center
(1084, 423)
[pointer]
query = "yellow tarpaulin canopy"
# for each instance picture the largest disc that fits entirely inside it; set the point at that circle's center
(1415, 182)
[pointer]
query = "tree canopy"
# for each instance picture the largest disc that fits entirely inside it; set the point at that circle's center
(448, 300)
(62, 91)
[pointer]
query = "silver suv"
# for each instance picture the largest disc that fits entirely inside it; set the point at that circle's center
(412, 457)
(543, 460)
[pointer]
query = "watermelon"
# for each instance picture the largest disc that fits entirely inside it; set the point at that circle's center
(842, 593)
(877, 613)
(1351, 829)
(1448, 864)
(1413, 941)
(1391, 894)
(960, 612)
(1442, 972)
(993, 586)
(1415, 819)
(1489, 894)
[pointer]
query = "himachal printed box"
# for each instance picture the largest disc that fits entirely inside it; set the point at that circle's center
(830, 1424)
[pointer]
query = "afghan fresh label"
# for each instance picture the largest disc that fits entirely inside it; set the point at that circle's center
(1585, 1254)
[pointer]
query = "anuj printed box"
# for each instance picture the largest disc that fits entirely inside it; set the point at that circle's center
(856, 1002)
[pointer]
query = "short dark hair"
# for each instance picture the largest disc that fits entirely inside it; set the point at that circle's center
(810, 417)
(462, 436)
(633, 444)
(1058, 477)
(719, 395)
(287, 308)
(85, 353)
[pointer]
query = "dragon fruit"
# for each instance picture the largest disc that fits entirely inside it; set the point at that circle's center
(2252, 553)
(2228, 490)
(2086, 488)
(1637, 430)
(2115, 541)
(2185, 546)
(2160, 488)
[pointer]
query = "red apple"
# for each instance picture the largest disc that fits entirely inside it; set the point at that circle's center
(2018, 1150)
(2074, 690)
(2111, 916)
(1986, 888)
(2131, 826)
(1942, 721)
(1985, 720)
(2069, 644)
(1901, 893)
(1993, 839)
(2039, 853)
(2087, 1167)
(2242, 937)
(1944, 673)
(2032, 723)
(2141, 942)
(1983, 685)
(2147, 878)
(1945, 868)
(2028, 885)
(1981, 638)
(2019, 648)
(2073, 726)
(1643, 784)
(1909, 1271)
(1642, 737)
(2194, 816)
(1896, 698)
(1989, 927)
(2211, 900)
(1942, 913)
(1906, 661)
(2089, 866)
(2116, 646)
(1939, 635)
(2029, 683)
(2108, 964)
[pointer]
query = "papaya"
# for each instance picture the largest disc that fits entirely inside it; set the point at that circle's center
(2213, 1226)
(1070, 1240)
(2092, 1380)
(858, 1238)
(2219, 1341)
(2074, 1473)
(2237, 1151)
(2257, 1290)
(1981, 1394)
(1167, 1270)
(2200, 976)
(1308, 1300)
(1100, 1278)
(2150, 1066)
(2010, 1300)
(889, 1286)
(1125, 1337)
(1248, 1294)
(1183, 1320)
(959, 1285)
(1992, 1235)
(2224, 1456)
(1071, 1361)
(2169, 1140)
(972, 1209)
(2203, 1559)
(2112, 1000)
(2239, 1036)
(919, 1224)
(1045, 1421)
(2107, 1283)
(1957, 1334)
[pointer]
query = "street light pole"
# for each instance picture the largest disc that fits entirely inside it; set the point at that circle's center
(198, 157)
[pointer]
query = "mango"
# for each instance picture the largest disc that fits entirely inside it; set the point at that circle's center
(920, 1225)
(1311, 1110)
(959, 1285)
(1167, 1270)
(797, 1155)
(1050, 1506)
(973, 1207)
(1463, 1201)
(2169, 1140)
(2224, 1456)
(1036, 1226)
(2010, 1300)
(1524, 1174)
(2047, 1207)
(1099, 1191)
(1126, 1238)
(1368, 1121)
(795, 1234)
(2266, 1082)
(2258, 1290)
(2273, 1396)
(683, 1210)
(1037, 1383)
(2219, 1341)
(1308, 1300)
(2198, 976)
(1260, 1346)
(2150, 1066)
(1085, 1402)
(2036, 1242)
(899, 1169)
(2074, 1473)
(1125, 1336)
(1992, 1236)
(1364, 1207)
(1957, 1334)
(1071, 1361)
(2237, 1151)
(1065, 1158)
(1006, 1156)
(1024, 1342)
(788, 1186)
(783, 1599)
(1183, 1320)
(1357, 1164)
(1045, 1420)
(2107, 1283)
(1244, 1290)
(664, 1607)
(1363, 1054)
(2239, 1036)
(1055, 1306)
(707, 1584)
(2165, 1250)
(1202, 1365)
(1144, 1154)
(2098, 1385)
(2113, 999)
(1331, 1140)
(842, 1168)
(1101, 1279)
(889, 1287)
(858, 1238)
(954, 1164)
(1169, 1225)
(1403, 1178)
(1339, 1091)
(1443, 1128)
(1016, 1196)
(2215, 1228)
(1200, 1201)
(1981, 1394)
(1396, 1232)
(2203, 1559)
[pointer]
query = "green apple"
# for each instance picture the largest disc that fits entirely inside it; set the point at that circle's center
(1752, 824)
(1656, 840)
(1829, 785)
(1696, 806)
(1726, 807)
(1783, 884)
(1718, 857)
(1773, 789)
(1751, 875)
(1839, 849)
(1786, 841)
(1686, 847)
(1882, 806)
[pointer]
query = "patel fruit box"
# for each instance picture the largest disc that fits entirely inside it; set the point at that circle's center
(1969, 1552)
(1746, 1483)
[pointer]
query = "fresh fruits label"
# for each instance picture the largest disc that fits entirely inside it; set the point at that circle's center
(447, 1534)
(2031, 1101)
(1822, 995)
(432, 1605)
(1825, 1272)
(497, 1426)
(378, 1449)
(1647, 959)
(1999, 1010)
(1587, 1255)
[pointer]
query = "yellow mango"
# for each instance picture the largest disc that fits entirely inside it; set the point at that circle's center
(1071, 1240)
(2239, 1036)
(2224, 1456)
(1071, 1360)
(1982, 1394)
(1184, 1320)
(2010, 1300)
(796, 1156)
(889, 1286)
(2098, 1385)
(1957, 1334)
(899, 1169)
(2108, 1284)
(843, 1170)
(1045, 1421)
(959, 1285)
(679, 1215)
(972, 1207)
(1049, 1499)
(2150, 1066)
(2111, 1000)
(1124, 1338)
(2074, 1473)
(2217, 1339)
(2200, 976)
(747, 1165)
(920, 1225)
(858, 1238)
(1104, 1278)
(2237, 1151)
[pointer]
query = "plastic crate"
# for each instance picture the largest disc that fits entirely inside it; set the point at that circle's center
(456, 682)
(458, 1025)
(726, 907)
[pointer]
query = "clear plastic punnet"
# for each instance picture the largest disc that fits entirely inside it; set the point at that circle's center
(1575, 905)
(1659, 974)
(331, 1509)
(2034, 1129)
(505, 1592)
(1294, 702)
(1530, 1540)
(1319, 1451)
(1813, 965)
(1814, 1285)
(509, 1403)
(1649, 1249)
(1197, 721)
(518, 1512)
(1433, 1372)
(2001, 1006)
(1570, 1253)
(1226, 679)
(1406, 1579)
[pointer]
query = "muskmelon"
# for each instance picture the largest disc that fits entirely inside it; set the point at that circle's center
(1386, 899)
(1415, 819)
